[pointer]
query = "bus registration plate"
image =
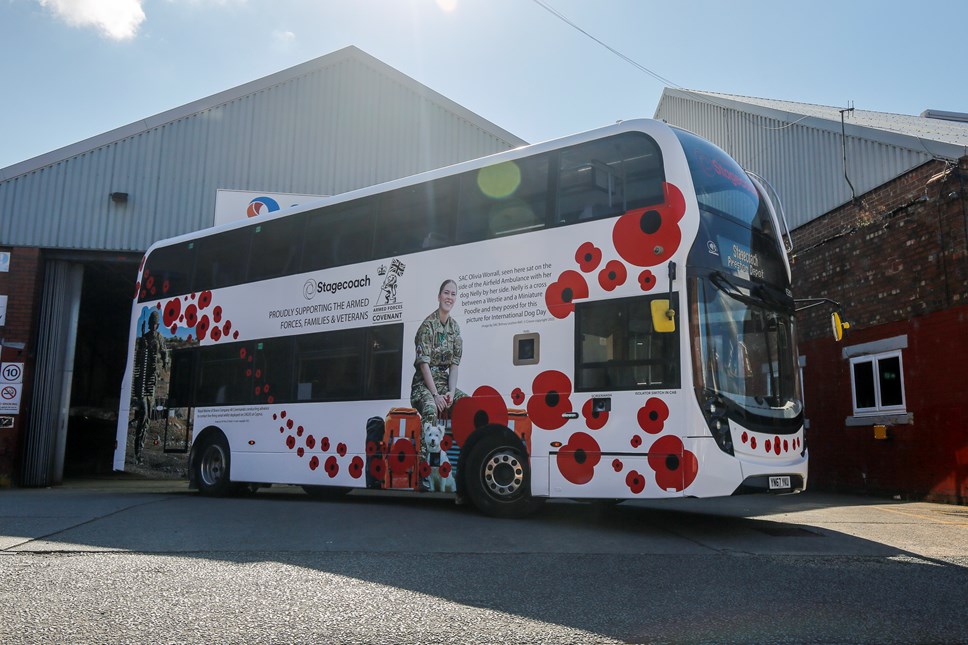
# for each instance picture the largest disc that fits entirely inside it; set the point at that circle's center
(779, 482)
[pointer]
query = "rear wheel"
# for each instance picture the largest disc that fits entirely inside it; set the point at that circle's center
(498, 478)
(211, 465)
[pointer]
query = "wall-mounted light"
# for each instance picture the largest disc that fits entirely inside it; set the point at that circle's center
(119, 198)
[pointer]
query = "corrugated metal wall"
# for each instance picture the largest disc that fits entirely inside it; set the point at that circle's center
(803, 161)
(348, 122)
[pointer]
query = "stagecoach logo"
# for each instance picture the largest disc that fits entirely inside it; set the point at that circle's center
(712, 248)
(313, 287)
(388, 308)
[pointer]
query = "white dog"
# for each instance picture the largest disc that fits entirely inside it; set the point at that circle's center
(432, 437)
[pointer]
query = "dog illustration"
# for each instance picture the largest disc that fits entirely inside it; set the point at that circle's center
(441, 477)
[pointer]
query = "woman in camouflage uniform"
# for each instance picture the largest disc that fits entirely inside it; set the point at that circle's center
(439, 347)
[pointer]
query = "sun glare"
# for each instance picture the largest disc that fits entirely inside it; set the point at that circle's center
(447, 5)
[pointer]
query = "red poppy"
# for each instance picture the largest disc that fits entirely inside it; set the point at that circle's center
(191, 315)
(403, 456)
(150, 283)
(314, 463)
(745, 437)
(577, 458)
(324, 444)
(248, 373)
(636, 441)
(371, 448)
(332, 467)
(446, 443)
(550, 400)
(204, 299)
(612, 276)
(786, 446)
(588, 257)
(172, 312)
(283, 414)
(341, 449)
(617, 465)
(271, 400)
(484, 407)
(217, 314)
(424, 469)
(165, 286)
(258, 390)
(646, 280)
(289, 423)
(242, 352)
(227, 327)
(594, 419)
(517, 396)
(675, 467)
(216, 334)
(299, 431)
(561, 295)
(776, 446)
(652, 415)
(291, 442)
(444, 469)
(173, 329)
(300, 451)
(649, 236)
(258, 373)
(201, 328)
(753, 443)
(635, 482)
(378, 468)
(310, 440)
(356, 467)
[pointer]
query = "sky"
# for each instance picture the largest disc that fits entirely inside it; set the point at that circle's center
(77, 68)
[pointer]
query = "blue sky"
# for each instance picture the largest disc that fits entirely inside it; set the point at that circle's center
(77, 68)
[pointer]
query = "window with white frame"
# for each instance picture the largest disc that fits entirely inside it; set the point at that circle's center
(877, 382)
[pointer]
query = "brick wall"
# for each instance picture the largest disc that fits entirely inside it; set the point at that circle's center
(22, 286)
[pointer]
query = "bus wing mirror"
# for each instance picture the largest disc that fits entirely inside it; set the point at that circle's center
(663, 317)
(838, 325)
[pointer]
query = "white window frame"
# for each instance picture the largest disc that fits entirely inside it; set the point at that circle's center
(878, 408)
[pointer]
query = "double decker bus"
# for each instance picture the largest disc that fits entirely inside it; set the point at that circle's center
(605, 316)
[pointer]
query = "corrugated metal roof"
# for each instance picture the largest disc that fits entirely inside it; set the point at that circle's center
(333, 124)
(799, 147)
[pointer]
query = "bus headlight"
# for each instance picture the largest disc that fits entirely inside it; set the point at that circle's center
(715, 411)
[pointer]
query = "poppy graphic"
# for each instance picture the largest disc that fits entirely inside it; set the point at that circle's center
(310, 440)
(290, 442)
(561, 295)
(578, 458)
(378, 468)
(191, 315)
(235, 335)
(289, 423)
(446, 443)
(242, 352)
(201, 328)
(550, 400)
(341, 449)
(424, 470)
(258, 390)
(299, 431)
(270, 400)
(768, 445)
(324, 444)
(588, 257)
(444, 469)
(652, 415)
(594, 419)
(204, 299)
(227, 327)
(301, 451)
(753, 443)
(636, 441)
(332, 467)
(371, 448)
(314, 463)
(248, 373)
(612, 276)
(646, 280)
(484, 407)
(635, 482)
(403, 456)
(150, 283)
(356, 467)
(216, 334)
(172, 312)
(173, 329)
(649, 236)
(675, 467)
(165, 286)
(217, 314)
(517, 396)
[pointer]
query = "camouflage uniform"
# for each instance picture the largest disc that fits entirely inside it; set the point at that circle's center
(150, 358)
(440, 346)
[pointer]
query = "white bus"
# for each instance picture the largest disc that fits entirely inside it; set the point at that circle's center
(615, 308)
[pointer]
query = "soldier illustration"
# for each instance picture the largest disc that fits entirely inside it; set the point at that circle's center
(151, 356)
(389, 287)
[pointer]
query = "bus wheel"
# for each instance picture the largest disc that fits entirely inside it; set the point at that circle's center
(498, 478)
(212, 467)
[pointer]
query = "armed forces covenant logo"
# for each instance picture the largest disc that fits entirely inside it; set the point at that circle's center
(388, 308)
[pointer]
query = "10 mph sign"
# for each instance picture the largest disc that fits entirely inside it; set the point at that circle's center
(11, 384)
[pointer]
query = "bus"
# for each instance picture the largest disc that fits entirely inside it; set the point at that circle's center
(607, 316)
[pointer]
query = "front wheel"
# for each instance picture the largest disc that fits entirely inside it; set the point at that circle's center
(211, 467)
(498, 478)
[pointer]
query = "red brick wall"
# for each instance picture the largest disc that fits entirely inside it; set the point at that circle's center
(22, 285)
(897, 260)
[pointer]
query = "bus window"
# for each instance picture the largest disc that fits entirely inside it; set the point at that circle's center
(168, 271)
(272, 368)
(222, 259)
(330, 366)
(618, 349)
(504, 199)
(416, 218)
(339, 235)
(608, 177)
(275, 248)
(224, 375)
(385, 348)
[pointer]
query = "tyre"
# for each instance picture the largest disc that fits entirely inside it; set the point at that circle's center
(211, 467)
(497, 478)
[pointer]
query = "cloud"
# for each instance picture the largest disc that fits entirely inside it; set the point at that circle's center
(115, 19)
(283, 39)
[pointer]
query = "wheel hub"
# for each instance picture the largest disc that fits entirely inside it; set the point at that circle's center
(503, 474)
